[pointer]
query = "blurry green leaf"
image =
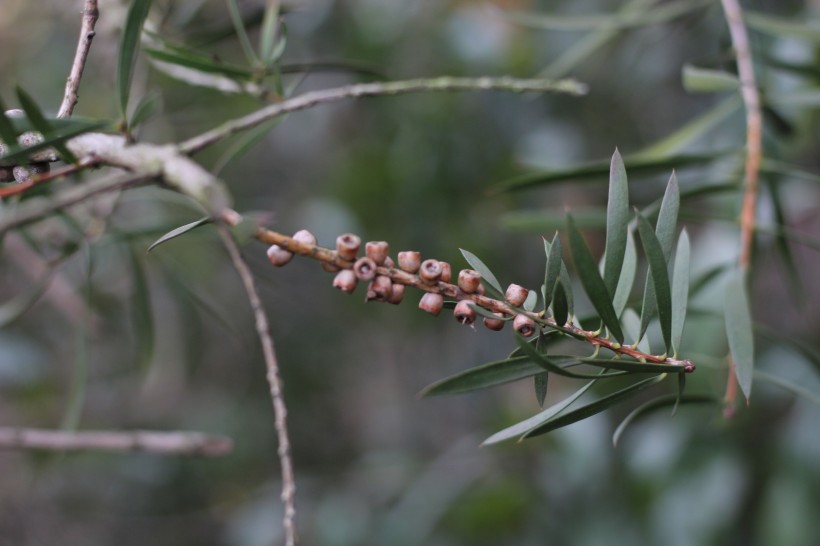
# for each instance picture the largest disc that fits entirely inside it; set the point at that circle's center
(560, 306)
(200, 62)
(591, 280)
(660, 278)
(800, 98)
(705, 80)
(245, 143)
(147, 108)
(267, 37)
(79, 383)
(14, 308)
(182, 230)
(484, 376)
(137, 13)
(779, 26)
(627, 279)
(632, 325)
(617, 223)
(279, 48)
(479, 266)
(739, 330)
(704, 279)
(795, 284)
(552, 269)
(799, 390)
(541, 381)
(787, 169)
(523, 427)
(546, 362)
(7, 132)
(540, 221)
(59, 136)
(241, 32)
(36, 117)
(531, 301)
(778, 336)
(679, 395)
(680, 290)
(141, 313)
(657, 403)
(356, 67)
(593, 408)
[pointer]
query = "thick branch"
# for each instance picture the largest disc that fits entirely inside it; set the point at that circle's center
(161, 443)
(274, 381)
(313, 98)
(90, 15)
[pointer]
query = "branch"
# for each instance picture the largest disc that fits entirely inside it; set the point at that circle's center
(160, 443)
(274, 380)
(313, 98)
(90, 15)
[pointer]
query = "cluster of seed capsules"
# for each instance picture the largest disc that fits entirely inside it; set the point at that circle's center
(39, 162)
(432, 276)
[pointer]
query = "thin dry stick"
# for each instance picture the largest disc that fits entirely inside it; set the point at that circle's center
(274, 380)
(754, 134)
(90, 16)
(313, 98)
(161, 443)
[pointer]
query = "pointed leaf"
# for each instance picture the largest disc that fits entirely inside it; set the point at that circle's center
(592, 282)
(267, 37)
(531, 301)
(146, 108)
(546, 362)
(484, 376)
(7, 132)
(680, 290)
(660, 278)
(679, 396)
(617, 222)
(739, 330)
(657, 403)
(705, 80)
(560, 309)
(241, 32)
(182, 230)
(627, 279)
(541, 381)
(38, 120)
(553, 268)
(137, 13)
(197, 61)
(479, 266)
(141, 313)
(795, 283)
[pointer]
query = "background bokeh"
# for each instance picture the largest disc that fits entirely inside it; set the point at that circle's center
(374, 463)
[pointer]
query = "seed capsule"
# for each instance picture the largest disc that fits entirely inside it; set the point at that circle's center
(524, 325)
(396, 294)
(432, 303)
(469, 280)
(430, 271)
(347, 246)
(377, 251)
(30, 138)
(345, 281)
(389, 263)
(278, 256)
(304, 236)
(379, 289)
(446, 272)
(495, 324)
(409, 260)
(516, 295)
(365, 269)
(464, 313)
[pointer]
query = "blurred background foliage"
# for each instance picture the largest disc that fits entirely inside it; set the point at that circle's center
(125, 339)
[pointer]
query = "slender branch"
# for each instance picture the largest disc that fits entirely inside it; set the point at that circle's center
(754, 136)
(313, 98)
(160, 443)
(45, 177)
(90, 16)
(274, 381)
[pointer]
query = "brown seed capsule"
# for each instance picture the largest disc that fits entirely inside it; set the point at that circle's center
(278, 256)
(409, 260)
(432, 303)
(304, 236)
(345, 281)
(469, 280)
(446, 272)
(377, 251)
(347, 246)
(396, 294)
(516, 295)
(389, 263)
(379, 289)
(464, 313)
(481, 291)
(365, 269)
(430, 271)
(524, 325)
(495, 324)
(329, 267)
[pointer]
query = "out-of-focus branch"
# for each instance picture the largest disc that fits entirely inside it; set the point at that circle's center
(160, 443)
(90, 15)
(314, 98)
(274, 381)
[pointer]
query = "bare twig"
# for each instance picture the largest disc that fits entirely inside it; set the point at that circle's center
(313, 98)
(161, 443)
(90, 15)
(274, 381)
(754, 135)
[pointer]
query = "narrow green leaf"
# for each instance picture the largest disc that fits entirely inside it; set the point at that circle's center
(657, 403)
(199, 62)
(79, 383)
(541, 381)
(739, 330)
(632, 366)
(679, 396)
(795, 284)
(137, 13)
(14, 308)
(245, 143)
(267, 37)
(627, 279)
(531, 301)
(36, 117)
(17, 152)
(485, 376)
(147, 107)
(540, 220)
(521, 428)
(680, 289)
(560, 306)
(660, 278)
(780, 26)
(553, 268)
(479, 266)
(591, 280)
(241, 32)
(182, 230)
(799, 390)
(546, 362)
(705, 80)
(141, 313)
(7, 132)
(617, 222)
(279, 49)
(593, 408)
(632, 325)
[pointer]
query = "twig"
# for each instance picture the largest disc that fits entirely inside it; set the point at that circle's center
(313, 98)
(90, 15)
(160, 443)
(45, 177)
(751, 100)
(275, 382)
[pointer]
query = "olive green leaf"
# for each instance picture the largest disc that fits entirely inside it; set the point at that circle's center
(657, 403)
(660, 278)
(487, 375)
(617, 222)
(134, 20)
(739, 330)
(704, 80)
(553, 268)
(181, 230)
(485, 272)
(680, 290)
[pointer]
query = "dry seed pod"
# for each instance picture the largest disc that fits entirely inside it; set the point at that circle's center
(432, 303)
(409, 260)
(464, 313)
(377, 251)
(516, 295)
(380, 289)
(347, 246)
(524, 325)
(495, 324)
(345, 281)
(446, 272)
(389, 263)
(278, 256)
(365, 269)
(329, 267)
(304, 236)
(469, 280)
(430, 271)
(396, 294)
